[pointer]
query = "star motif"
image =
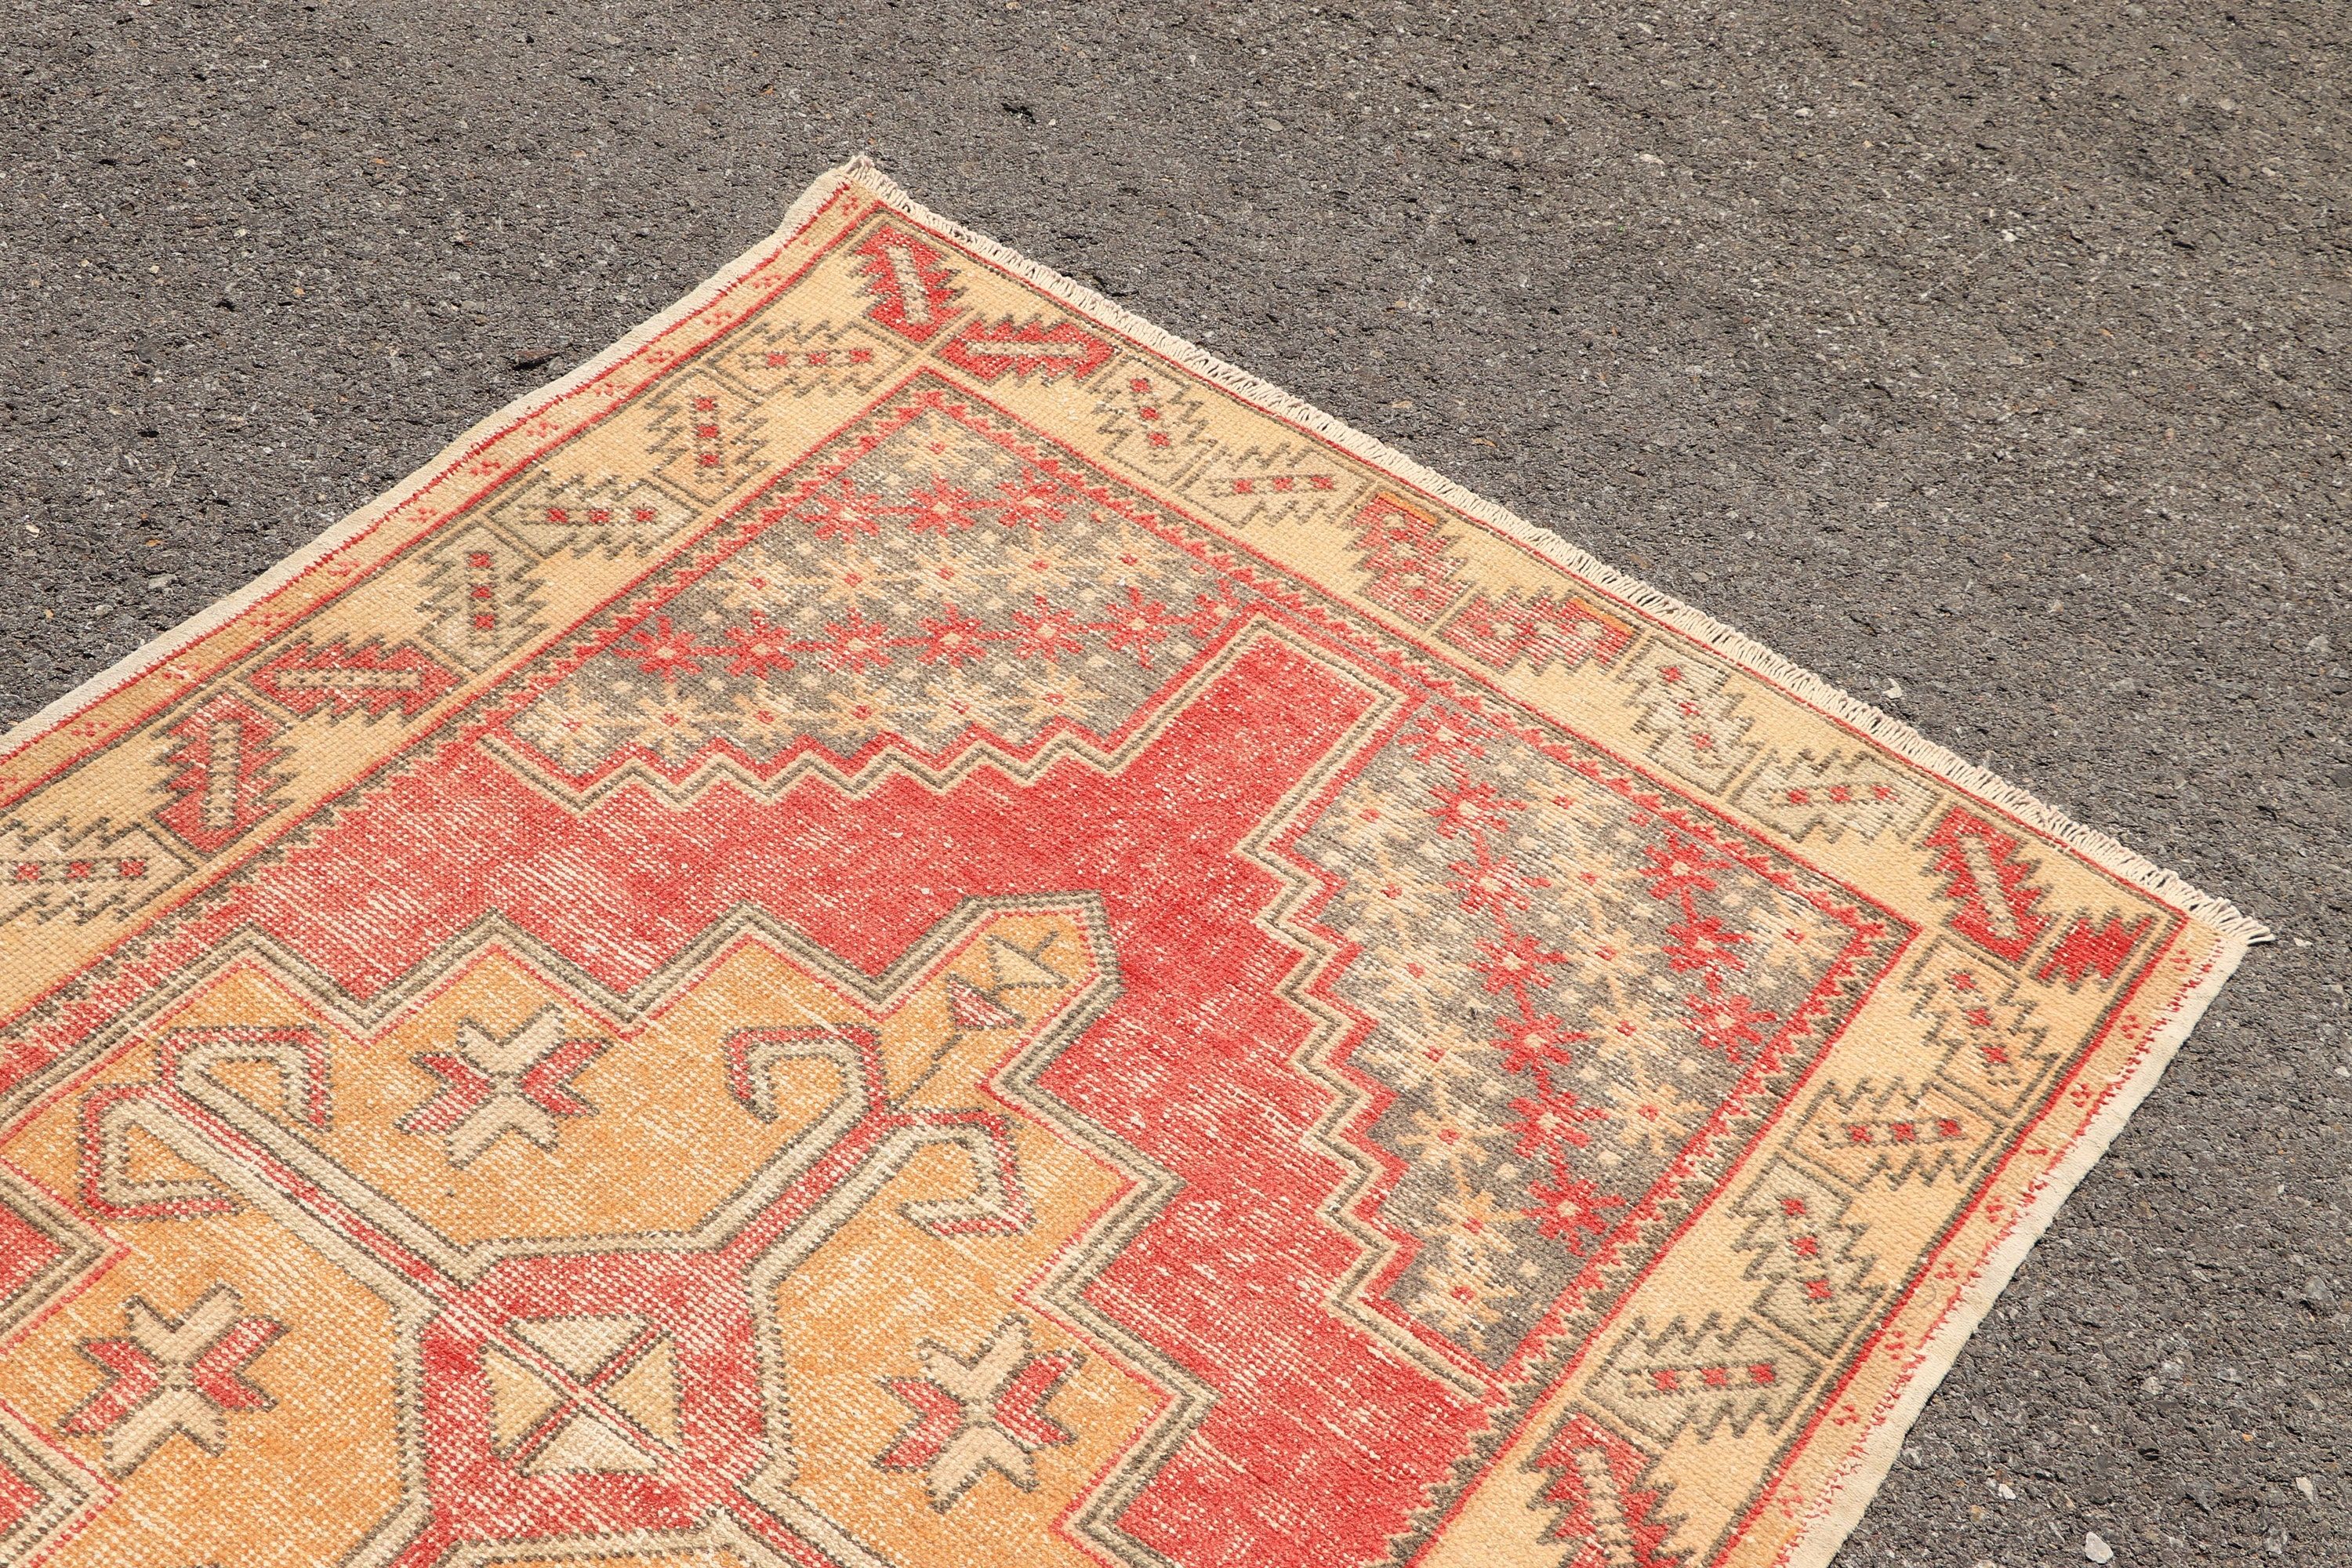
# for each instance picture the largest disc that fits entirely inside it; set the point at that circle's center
(972, 1416)
(491, 1086)
(168, 1376)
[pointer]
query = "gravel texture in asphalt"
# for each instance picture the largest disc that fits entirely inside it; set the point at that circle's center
(1990, 359)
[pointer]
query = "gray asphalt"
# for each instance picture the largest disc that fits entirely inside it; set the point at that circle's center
(1990, 359)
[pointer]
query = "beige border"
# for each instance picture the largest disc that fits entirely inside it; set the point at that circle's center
(1839, 1508)
(146, 657)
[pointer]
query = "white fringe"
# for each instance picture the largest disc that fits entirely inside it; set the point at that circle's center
(1882, 728)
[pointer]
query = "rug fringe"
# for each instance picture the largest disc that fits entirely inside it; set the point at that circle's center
(862, 171)
(1883, 728)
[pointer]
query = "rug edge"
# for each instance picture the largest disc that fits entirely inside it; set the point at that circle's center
(1854, 1485)
(1897, 735)
(221, 611)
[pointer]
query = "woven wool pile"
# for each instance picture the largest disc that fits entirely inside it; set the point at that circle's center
(906, 923)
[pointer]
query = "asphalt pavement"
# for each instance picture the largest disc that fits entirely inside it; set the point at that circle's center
(1990, 359)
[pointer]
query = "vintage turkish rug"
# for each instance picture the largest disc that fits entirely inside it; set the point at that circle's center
(906, 923)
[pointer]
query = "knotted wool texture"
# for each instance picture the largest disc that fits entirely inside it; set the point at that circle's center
(908, 923)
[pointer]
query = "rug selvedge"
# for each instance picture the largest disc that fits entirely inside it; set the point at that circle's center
(906, 923)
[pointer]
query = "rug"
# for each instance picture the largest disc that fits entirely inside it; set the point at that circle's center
(908, 923)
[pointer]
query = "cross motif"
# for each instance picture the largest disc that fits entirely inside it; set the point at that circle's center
(168, 1376)
(490, 1087)
(972, 1416)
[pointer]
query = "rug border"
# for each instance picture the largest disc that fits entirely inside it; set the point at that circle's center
(355, 525)
(1848, 1492)
(1851, 1487)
